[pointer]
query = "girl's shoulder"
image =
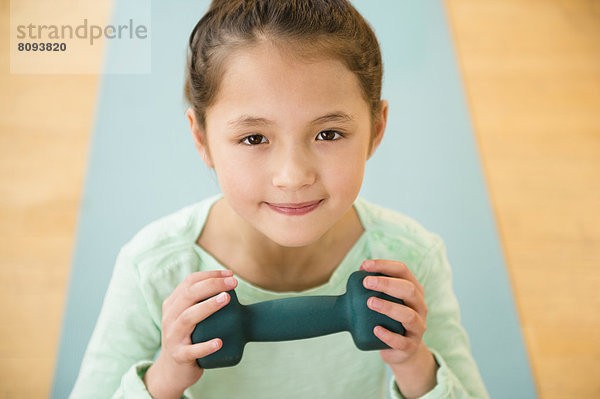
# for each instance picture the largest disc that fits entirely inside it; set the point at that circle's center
(172, 236)
(394, 235)
(390, 223)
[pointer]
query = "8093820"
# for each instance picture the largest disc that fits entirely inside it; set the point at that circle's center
(44, 46)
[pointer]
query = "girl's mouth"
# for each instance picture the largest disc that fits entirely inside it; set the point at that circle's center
(295, 209)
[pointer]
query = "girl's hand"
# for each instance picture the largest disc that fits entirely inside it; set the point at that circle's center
(411, 361)
(191, 302)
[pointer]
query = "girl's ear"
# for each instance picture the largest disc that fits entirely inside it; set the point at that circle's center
(379, 126)
(199, 136)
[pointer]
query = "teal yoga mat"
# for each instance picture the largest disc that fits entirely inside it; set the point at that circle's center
(143, 165)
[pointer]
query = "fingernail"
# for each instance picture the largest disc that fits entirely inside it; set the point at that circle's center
(380, 331)
(221, 298)
(230, 281)
(375, 303)
(216, 343)
(370, 282)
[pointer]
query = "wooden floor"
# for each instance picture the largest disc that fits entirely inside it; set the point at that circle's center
(531, 70)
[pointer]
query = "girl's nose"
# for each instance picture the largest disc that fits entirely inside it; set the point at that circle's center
(293, 170)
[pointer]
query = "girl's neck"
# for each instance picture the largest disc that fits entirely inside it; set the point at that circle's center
(270, 266)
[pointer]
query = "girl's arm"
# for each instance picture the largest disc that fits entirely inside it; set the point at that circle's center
(458, 375)
(119, 357)
(124, 341)
(191, 302)
(433, 359)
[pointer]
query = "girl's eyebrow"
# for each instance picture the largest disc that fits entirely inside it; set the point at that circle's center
(337, 116)
(251, 121)
(248, 121)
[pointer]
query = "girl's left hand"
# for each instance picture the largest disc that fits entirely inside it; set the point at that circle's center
(408, 356)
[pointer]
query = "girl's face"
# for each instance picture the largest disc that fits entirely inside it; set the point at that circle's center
(288, 140)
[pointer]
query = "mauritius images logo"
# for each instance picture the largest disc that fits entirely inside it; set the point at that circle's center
(71, 36)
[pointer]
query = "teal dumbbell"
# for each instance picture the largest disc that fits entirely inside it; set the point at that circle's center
(295, 318)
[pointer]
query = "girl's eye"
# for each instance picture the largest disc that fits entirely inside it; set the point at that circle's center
(329, 135)
(254, 139)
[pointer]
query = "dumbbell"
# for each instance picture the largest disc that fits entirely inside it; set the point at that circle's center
(295, 318)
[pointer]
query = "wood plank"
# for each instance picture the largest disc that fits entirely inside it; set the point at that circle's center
(45, 125)
(532, 75)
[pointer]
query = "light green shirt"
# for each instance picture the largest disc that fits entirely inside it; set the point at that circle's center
(149, 267)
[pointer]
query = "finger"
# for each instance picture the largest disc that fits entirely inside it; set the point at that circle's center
(193, 315)
(195, 277)
(398, 288)
(197, 292)
(395, 341)
(189, 353)
(391, 268)
(413, 323)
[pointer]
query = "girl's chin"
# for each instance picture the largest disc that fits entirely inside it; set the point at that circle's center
(293, 239)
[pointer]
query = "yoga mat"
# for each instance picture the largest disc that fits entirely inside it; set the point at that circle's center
(143, 165)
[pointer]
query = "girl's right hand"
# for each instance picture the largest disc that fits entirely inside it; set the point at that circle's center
(191, 302)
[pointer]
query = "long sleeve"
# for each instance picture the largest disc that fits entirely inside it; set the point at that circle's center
(458, 375)
(123, 343)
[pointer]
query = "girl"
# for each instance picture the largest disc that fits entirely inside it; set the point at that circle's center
(286, 109)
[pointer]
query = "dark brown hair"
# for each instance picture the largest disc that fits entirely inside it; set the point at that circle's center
(312, 28)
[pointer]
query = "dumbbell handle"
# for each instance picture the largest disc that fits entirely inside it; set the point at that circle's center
(296, 318)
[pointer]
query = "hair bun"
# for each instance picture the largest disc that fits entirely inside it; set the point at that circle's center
(218, 3)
